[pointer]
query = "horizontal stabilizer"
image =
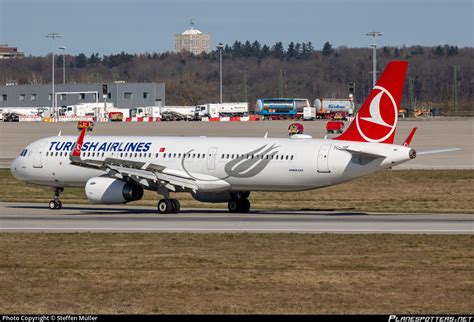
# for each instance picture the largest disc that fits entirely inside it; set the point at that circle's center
(438, 151)
(364, 153)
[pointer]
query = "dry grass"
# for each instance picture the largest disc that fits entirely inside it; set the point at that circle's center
(235, 273)
(444, 191)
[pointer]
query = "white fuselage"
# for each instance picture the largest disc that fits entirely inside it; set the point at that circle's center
(246, 164)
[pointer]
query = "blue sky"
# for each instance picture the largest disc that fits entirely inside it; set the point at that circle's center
(136, 26)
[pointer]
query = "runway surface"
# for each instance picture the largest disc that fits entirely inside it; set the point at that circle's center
(20, 217)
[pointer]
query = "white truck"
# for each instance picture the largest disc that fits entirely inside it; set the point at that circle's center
(309, 113)
(146, 111)
(213, 110)
(87, 109)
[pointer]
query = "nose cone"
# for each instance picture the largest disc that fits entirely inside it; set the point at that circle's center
(15, 169)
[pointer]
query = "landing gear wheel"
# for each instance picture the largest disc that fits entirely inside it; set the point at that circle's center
(239, 206)
(55, 204)
(233, 205)
(244, 205)
(164, 206)
(175, 206)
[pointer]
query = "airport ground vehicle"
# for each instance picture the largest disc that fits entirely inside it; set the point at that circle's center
(147, 111)
(327, 108)
(115, 116)
(117, 169)
(11, 117)
(213, 110)
(334, 127)
(177, 113)
(281, 107)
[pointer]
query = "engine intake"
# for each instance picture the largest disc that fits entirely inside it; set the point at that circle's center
(105, 190)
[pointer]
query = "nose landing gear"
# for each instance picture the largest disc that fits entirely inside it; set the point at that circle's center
(56, 202)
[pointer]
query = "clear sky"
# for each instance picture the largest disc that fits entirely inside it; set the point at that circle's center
(137, 26)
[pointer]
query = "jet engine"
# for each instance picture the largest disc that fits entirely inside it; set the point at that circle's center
(105, 190)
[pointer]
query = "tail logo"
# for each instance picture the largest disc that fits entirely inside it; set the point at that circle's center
(381, 122)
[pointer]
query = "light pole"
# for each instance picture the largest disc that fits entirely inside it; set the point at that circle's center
(53, 35)
(219, 47)
(374, 55)
(64, 63)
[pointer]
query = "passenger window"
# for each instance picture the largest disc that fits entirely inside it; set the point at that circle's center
(286, 157)
(156, 156)
(291, 158)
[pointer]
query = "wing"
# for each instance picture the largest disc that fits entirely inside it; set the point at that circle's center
(150, 174)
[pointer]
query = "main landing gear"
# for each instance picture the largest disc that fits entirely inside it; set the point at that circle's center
(56, 202)
(239, 202)
(169, 206)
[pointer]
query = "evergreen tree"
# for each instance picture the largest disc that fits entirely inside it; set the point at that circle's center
(327, 49)
(247, 50)
(80, 60)
(291, 52)
(438, 51)
(277, 50)
(256, 48)
(298, 49)
(265, 52)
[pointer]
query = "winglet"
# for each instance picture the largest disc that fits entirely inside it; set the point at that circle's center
(410, 137)
(76, 152)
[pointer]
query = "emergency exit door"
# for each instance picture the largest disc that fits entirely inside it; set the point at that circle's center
(211, 159)
(323, 159)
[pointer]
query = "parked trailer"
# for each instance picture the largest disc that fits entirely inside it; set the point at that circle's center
(213, 110)
(177, 113)
(271, 108)
(328, 107)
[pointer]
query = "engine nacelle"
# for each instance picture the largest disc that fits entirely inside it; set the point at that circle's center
(105, 190)
(215, 197)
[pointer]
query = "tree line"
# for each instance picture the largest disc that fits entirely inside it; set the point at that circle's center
(252, 70)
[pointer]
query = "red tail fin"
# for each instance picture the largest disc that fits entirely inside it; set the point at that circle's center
(78, 146)
(377, 118)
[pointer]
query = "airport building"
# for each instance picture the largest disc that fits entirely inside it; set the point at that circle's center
(122, 95)
(7, 52)
(192, 40)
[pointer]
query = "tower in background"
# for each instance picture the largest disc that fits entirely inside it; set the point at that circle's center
(193, 41)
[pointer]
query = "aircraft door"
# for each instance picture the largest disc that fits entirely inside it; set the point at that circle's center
(211, 158)
(323, 159)
(38, 156)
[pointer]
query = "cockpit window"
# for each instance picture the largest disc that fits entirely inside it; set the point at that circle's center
(24, 152)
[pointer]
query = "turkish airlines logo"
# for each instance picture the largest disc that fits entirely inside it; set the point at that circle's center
(77, 149)
(381, 121)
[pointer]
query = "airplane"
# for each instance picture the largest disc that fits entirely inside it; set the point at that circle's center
(117, 169)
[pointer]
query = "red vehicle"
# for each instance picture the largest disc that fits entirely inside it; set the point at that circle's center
(115, 116)
(335, 127)
(88, 125)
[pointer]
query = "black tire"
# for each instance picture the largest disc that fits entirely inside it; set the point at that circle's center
(233, 206)
(175, 206)
(55, 204)
(244, 206)
(164, 206)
